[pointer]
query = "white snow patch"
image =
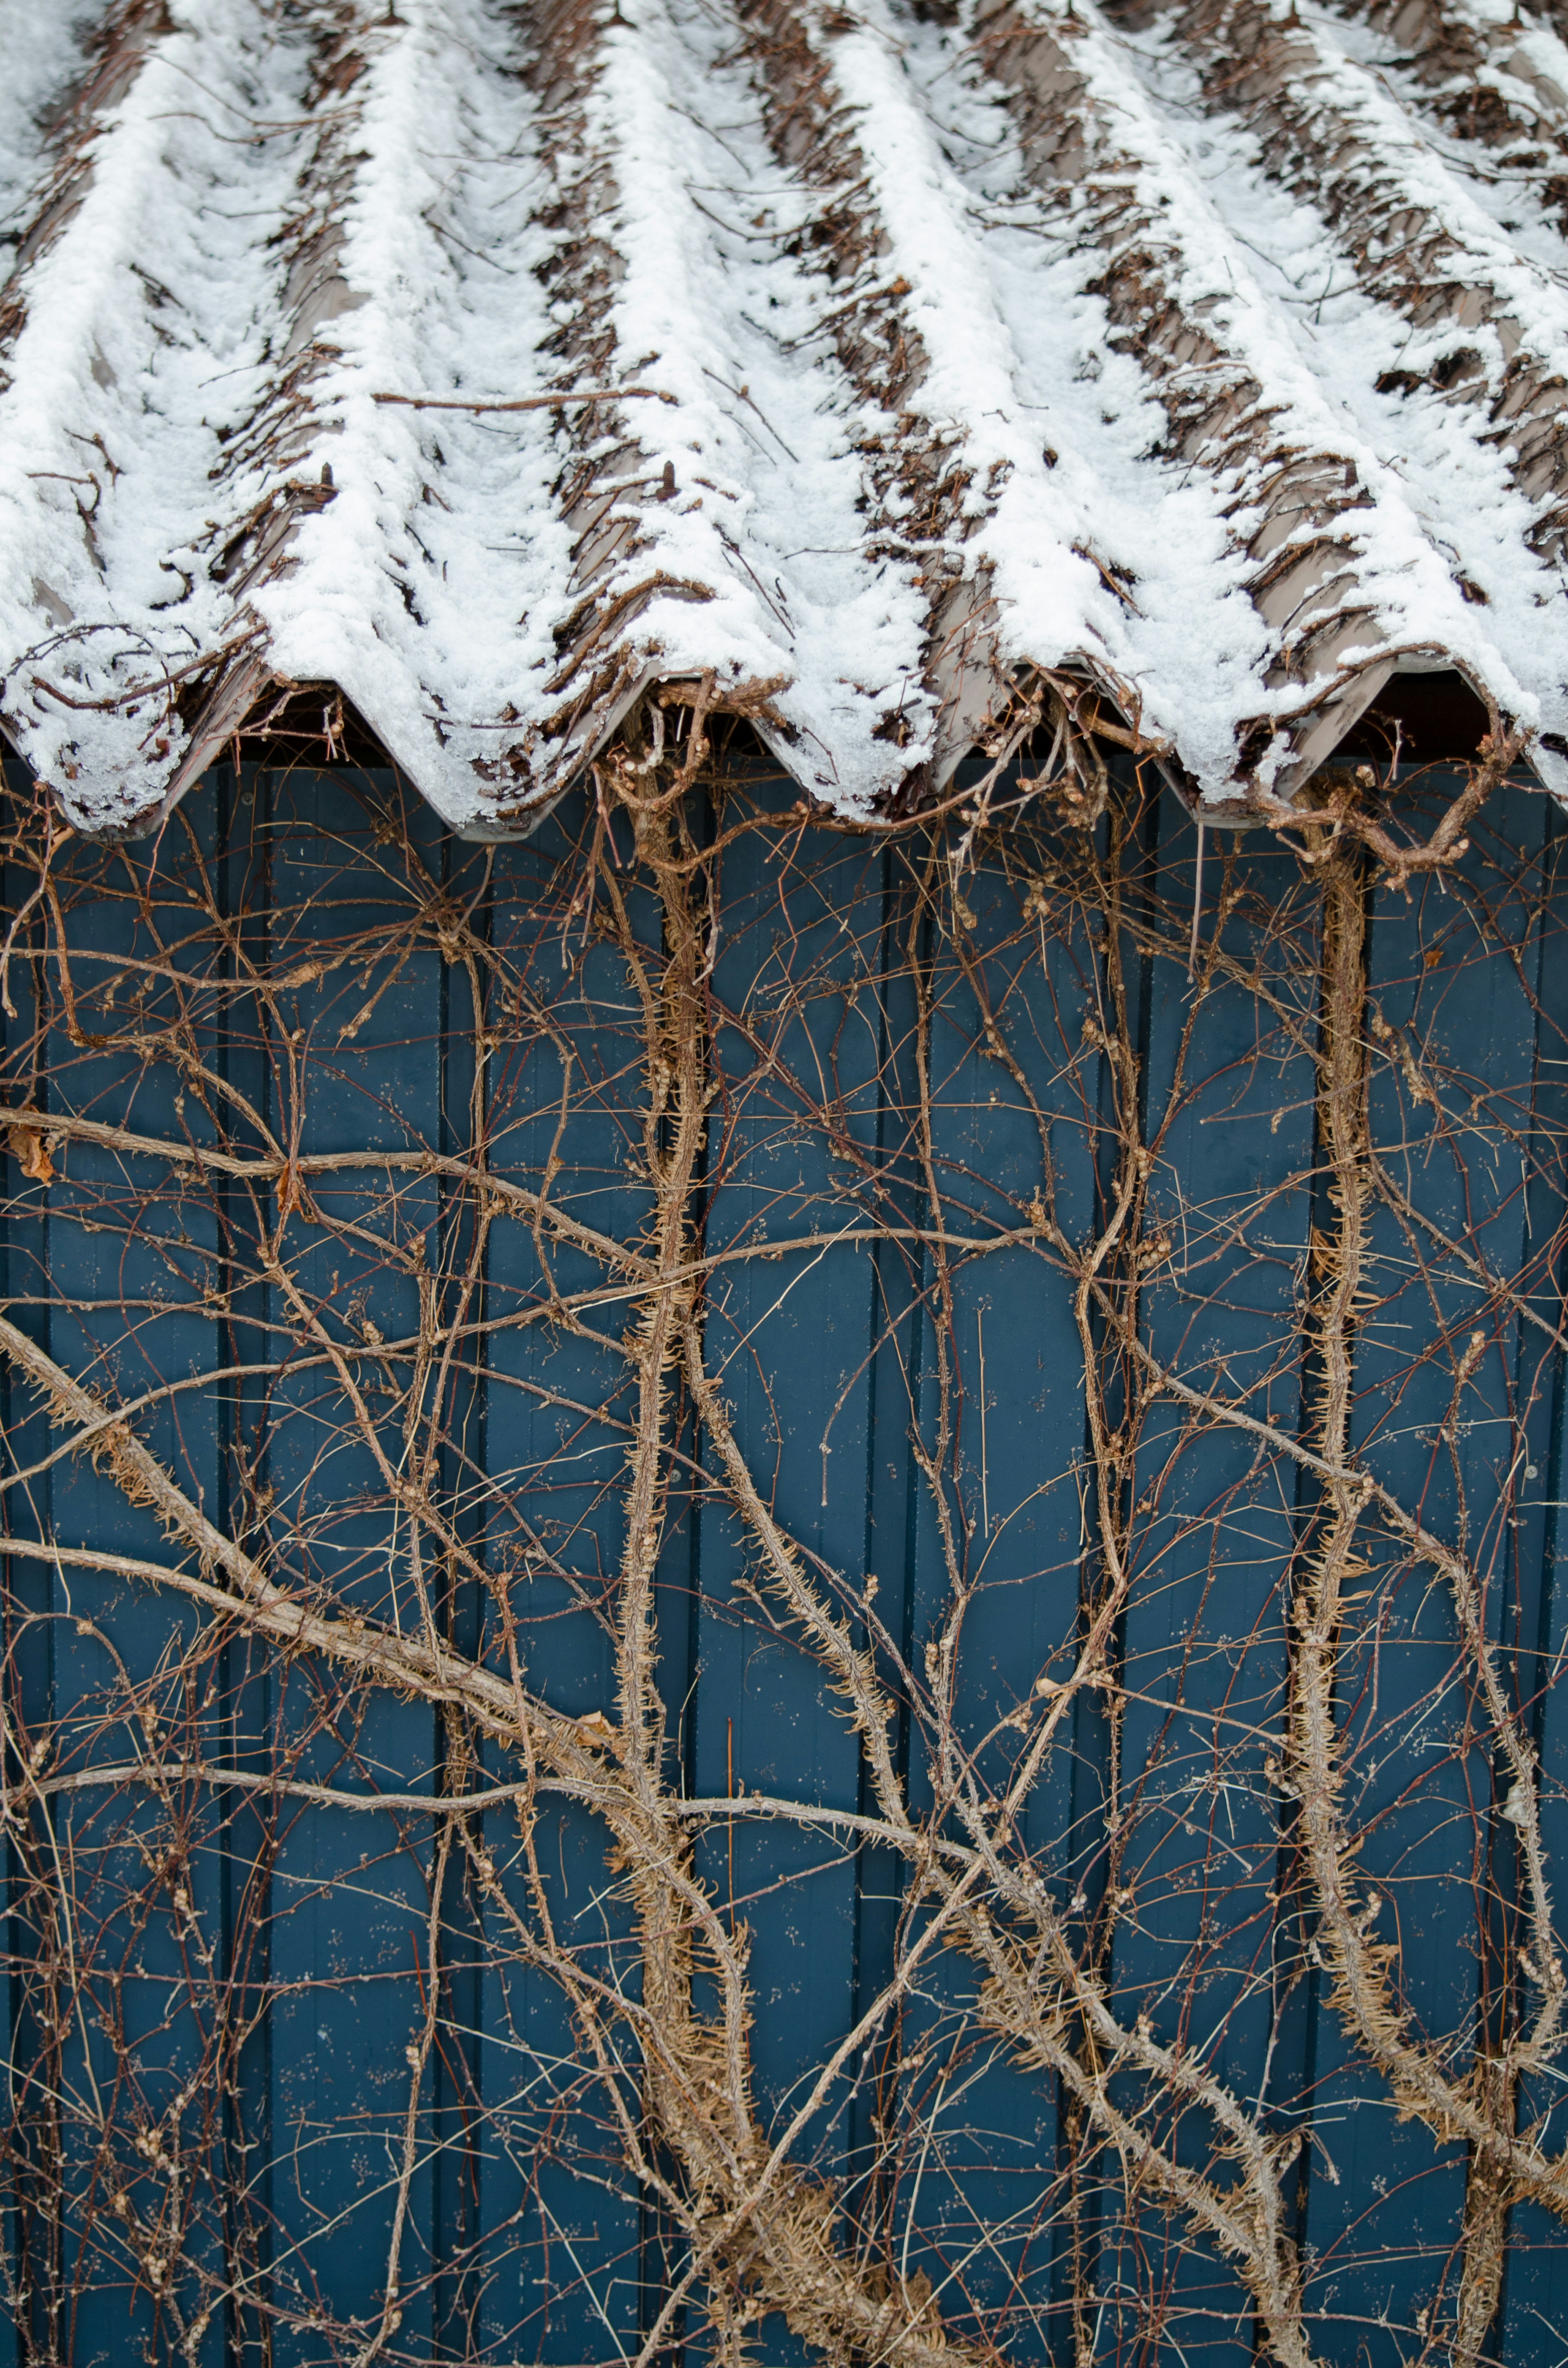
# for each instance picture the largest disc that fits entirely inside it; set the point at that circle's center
(763, 518)
(762, 441)
(1021, 363)
(426, 588)
(144, 337)
(1445, 507)
(999, 272)
(433, 584)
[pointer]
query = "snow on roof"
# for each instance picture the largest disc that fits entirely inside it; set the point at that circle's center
(874, 359)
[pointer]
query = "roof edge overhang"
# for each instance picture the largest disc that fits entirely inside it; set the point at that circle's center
(988, 716)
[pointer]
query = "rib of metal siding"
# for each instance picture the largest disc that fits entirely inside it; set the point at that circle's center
(1014, 1526)
(787, 1353)
(1227, 1114)
(1534, 2292)
(1442, 968)
(566, 1023)
(741, 1704)
(351, 1897)
(28, 1636)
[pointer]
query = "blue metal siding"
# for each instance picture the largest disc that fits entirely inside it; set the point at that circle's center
(526, 2239)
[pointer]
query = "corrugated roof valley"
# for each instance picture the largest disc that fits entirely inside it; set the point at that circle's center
(884, 365)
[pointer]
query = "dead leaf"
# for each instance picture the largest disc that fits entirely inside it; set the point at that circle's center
(31, 1153)
(288, 1188)
(596, 1729)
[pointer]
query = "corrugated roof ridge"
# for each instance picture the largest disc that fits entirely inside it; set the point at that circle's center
(747, 486)
(352, 576)
(1340, 149)
(869, 255)
(925, 503)
(595, 670)
(268, 466)
(649, 526)
(1302, 486)
(1485, 329)
(1495, 78)
(624, 473)
(55, 85)
(1495, 87)
(135, 297)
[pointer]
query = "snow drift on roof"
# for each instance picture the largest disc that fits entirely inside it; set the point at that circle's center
(492, 363)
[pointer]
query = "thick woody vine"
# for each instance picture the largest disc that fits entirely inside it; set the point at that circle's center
(132, 1776)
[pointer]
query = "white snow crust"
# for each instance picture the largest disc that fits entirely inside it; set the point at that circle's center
(1447, 511)
(44, 54)
(164, 388)
(144, 339)
(443, 247)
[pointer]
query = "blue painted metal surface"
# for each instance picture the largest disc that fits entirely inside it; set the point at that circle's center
(279, 1950)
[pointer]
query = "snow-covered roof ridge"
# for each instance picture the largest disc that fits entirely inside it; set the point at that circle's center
(1316, 537)
(134, 346)
(1470, 342)
(492, 364)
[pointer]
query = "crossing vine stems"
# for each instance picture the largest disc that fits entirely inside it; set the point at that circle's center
(248, 1556)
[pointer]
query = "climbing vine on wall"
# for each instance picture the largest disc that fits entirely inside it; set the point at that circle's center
(770, 1585)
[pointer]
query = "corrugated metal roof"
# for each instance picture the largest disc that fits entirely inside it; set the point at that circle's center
(884, 363)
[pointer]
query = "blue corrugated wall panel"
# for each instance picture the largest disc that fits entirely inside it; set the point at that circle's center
(344, 1991)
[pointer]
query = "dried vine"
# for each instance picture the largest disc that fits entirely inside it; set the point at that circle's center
(276, 1583)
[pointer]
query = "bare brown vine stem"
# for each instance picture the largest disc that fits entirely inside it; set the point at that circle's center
(1360, 1967)
(512, 1337)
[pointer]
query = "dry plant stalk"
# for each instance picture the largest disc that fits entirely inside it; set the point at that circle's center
(247, 1576)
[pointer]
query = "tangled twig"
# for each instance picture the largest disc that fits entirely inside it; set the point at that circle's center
(633, 1038)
